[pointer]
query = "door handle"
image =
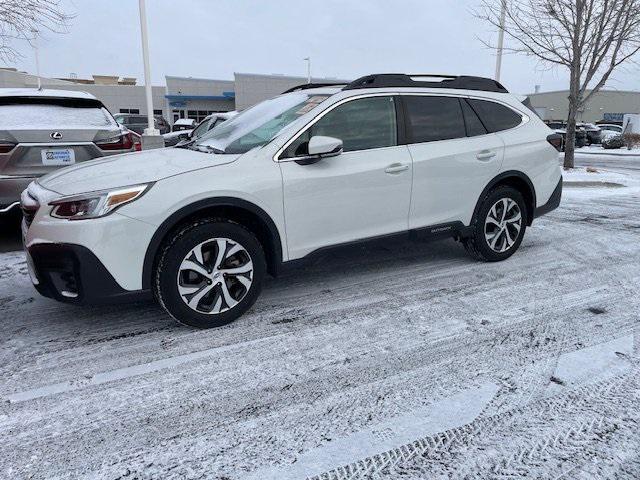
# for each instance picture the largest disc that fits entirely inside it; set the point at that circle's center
(396, 168)
(485, 155)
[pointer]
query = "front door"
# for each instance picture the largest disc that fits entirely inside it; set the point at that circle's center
(363, 192)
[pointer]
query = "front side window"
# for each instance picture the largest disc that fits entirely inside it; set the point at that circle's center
(361, 124)
(494, 116)
(434, 118)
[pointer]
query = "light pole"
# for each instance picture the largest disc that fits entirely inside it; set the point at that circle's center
(151, 137)
(308, 60)
(37, 55)
(503, 15)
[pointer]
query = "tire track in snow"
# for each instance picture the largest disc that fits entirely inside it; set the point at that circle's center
(569, 439)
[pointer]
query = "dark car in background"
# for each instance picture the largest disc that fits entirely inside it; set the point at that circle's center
(561, 129)
(44, 130)
(592, 131)
(137, 123)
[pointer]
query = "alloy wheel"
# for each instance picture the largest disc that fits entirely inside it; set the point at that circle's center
(215, 276)
(502, 225)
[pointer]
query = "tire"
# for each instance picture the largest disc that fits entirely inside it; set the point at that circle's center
(209, 273)
(495, 237)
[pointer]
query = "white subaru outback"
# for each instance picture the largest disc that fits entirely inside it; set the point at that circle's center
(320, 166)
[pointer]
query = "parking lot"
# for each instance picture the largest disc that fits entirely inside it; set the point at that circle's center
(408, 359)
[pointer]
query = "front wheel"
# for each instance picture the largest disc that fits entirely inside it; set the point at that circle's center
(499, 225)
(209, 273)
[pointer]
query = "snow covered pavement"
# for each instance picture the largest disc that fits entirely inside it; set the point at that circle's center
(404, 360)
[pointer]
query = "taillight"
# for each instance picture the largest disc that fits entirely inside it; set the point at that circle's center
(122, 142)
(6, 147)
(555, 139)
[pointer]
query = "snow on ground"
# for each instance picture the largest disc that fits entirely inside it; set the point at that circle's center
(599, 150)
(598, 177)
(402, 360)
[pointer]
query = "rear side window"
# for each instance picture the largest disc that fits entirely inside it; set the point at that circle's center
(44, 116)
(494, 116)
(434, 118)
(471, 120)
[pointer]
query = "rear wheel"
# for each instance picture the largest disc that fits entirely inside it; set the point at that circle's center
(499, 225)
(209, 273)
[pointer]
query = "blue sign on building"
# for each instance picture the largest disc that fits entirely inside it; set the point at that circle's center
(613, 117)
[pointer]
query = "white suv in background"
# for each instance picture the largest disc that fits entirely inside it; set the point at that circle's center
(199, 227)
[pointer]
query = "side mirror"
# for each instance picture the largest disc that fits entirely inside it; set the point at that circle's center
(321, 147)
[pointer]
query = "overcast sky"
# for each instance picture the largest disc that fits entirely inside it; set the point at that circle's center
(345, 39)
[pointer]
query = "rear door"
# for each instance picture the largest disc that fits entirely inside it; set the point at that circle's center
(47, 134)
(454, 157)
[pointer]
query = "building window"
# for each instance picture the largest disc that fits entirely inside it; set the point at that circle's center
(177, 114)
(130, 110)
(157, 112)
(199, 115)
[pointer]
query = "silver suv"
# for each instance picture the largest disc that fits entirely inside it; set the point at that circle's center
(43, 130)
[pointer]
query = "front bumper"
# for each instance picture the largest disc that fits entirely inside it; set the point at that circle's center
(73, 274)
(118, 242)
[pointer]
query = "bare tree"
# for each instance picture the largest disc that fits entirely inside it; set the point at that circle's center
(19, 19)
(591, 38)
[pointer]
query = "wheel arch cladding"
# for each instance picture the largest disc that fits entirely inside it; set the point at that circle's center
(520, 182)
(234, 209)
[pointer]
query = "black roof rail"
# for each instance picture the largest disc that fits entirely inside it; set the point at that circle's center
(306, 86)
(463, 82)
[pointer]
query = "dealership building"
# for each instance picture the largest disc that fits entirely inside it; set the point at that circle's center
(181, 97)
(188, 97)
(606, 106)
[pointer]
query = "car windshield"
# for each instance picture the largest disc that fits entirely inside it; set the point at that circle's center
(259, 124)
(202, 127)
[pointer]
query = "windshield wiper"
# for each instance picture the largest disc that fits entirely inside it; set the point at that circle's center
(204, 148)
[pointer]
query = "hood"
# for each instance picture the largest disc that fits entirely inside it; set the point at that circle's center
(129, 169)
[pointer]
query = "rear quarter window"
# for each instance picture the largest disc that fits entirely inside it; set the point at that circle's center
(494, 116)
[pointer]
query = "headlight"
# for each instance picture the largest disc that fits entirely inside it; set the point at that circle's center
(96, 204)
